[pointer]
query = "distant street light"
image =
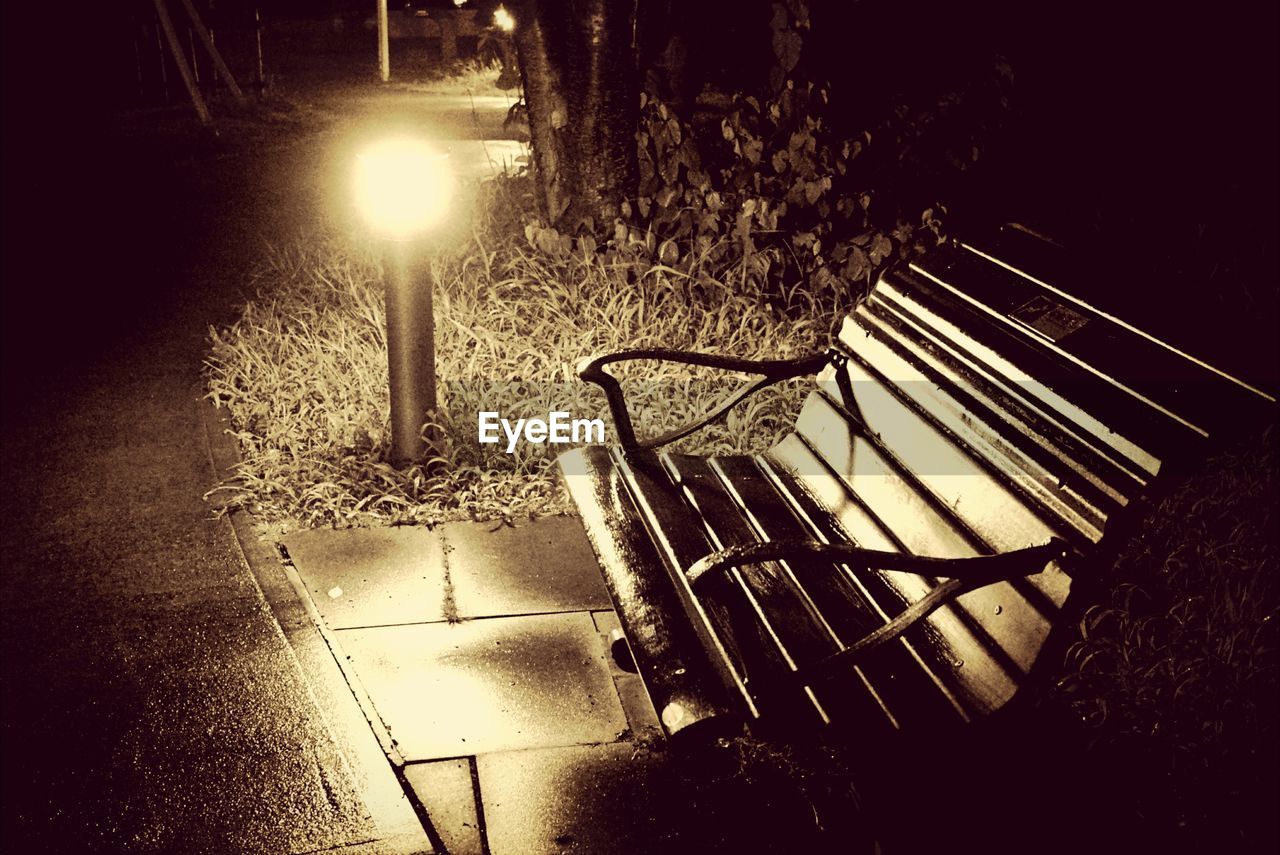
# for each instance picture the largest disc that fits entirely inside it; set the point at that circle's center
(403, 189)
(502, 18)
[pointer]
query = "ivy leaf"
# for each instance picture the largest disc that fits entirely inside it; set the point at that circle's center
(824, 278)
(857, 267)
(881, 248)
(549, 242)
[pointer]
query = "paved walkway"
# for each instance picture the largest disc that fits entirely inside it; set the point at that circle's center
(483, 651)
(153, 699)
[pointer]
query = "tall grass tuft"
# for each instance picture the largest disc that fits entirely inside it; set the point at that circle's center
(303, 371)
(1174, 672)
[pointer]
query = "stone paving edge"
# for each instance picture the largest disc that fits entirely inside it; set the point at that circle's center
(346, 716)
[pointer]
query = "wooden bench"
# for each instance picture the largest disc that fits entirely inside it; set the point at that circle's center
(976, 439)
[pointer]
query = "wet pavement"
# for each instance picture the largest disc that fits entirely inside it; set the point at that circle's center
(484, 653)
(157, 697)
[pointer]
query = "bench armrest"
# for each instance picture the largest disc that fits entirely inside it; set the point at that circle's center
(959, 575)
(770, 371)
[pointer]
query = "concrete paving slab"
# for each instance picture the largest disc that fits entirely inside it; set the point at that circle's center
(534, 567)
(449, 690)
(598, 799)
(446, 790)
(374, 576)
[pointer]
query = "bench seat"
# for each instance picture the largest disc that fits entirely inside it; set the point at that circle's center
(968, 410)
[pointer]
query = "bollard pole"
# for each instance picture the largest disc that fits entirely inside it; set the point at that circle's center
(402, 189)
(411, 352)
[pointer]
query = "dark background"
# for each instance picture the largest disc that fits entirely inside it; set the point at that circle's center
(1143, 136)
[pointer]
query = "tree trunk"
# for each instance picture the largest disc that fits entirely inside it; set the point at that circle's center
(579, 76)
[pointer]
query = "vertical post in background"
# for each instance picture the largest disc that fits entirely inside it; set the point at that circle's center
(384, 43)
(164, 72)
(137, 63)
(195, 62)
(206, 38)
(180, 60)
(257, 33)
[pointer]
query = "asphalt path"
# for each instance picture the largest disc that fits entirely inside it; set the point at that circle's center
(150, 700)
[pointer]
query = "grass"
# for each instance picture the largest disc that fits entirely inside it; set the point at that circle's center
(303, 371)
(474, 76)
(1174, 671)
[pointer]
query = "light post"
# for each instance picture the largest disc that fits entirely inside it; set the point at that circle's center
(403, 189)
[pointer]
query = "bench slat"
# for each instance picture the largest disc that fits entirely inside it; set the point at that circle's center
(839, 516)
(680, 544)
(1113, 419)
(1037, 425)
(969, 645)
(1021, 451)
(966, 501)
(686, 687)
(1204, 396)
(891, 675)
(799, 629)
(786, 624)
(980, 503)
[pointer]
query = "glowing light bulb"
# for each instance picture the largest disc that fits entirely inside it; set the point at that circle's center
(503, 19)
(402, 187)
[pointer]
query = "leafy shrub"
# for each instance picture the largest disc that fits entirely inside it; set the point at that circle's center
(774, 188)
(775, 202)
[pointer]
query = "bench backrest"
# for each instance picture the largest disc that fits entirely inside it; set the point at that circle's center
(980, 410)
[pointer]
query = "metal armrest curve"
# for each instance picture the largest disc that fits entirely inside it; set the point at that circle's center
(959, 575)
(772, 371)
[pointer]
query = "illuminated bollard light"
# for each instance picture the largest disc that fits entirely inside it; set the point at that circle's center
(403, 189)
(503, 19)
